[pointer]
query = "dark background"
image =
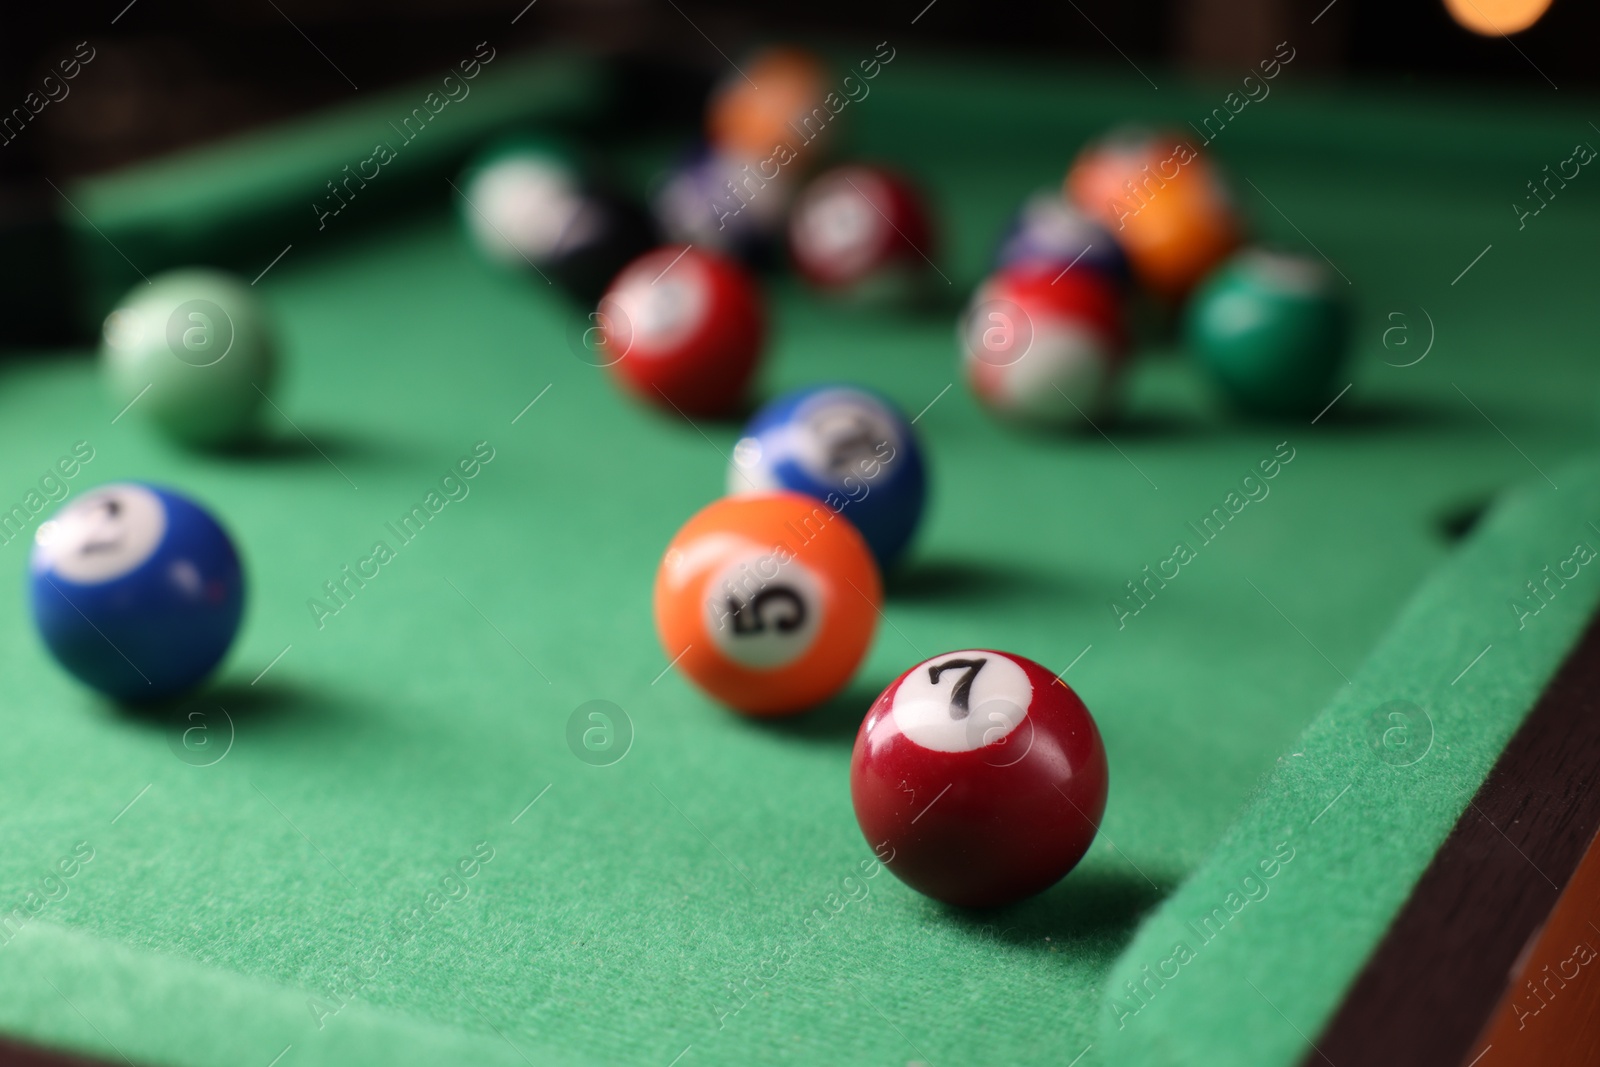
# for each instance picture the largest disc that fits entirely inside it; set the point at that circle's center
(168, 73)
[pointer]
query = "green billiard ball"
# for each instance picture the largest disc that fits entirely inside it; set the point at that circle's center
(191, 352)
(1271, 330)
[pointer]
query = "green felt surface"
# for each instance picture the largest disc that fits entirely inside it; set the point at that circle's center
(230, 908)
(1370, 791)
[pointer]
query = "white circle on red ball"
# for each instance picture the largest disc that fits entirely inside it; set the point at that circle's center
(997, 331)
(1066, 371)
(763, 609)
(103, 535)
(662, 304)
(838, 224)
(962, 701)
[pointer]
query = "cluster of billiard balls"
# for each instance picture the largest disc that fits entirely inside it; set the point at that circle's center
(768, 599)
(1144, 215)
(1141, 219)
(675, 308)
(978, 776)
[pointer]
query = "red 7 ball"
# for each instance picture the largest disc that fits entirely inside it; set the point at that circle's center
(979, 778)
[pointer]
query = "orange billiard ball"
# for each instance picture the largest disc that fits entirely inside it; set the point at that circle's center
(778, 98)
(1164, 202)
(767, 601)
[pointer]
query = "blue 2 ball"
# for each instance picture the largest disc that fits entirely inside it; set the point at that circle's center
(137, 591)
(845, 446)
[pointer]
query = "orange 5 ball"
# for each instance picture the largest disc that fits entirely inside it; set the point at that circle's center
(767, 601)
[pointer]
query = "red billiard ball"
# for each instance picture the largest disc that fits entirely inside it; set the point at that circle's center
(1045, 345)
(863, 230)
(683, 329)
(979, 778)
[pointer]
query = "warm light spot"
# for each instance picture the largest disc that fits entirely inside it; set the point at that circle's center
(1495, 17)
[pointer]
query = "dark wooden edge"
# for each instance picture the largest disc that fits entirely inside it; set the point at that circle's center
(1550, 1013)
(1430, 988)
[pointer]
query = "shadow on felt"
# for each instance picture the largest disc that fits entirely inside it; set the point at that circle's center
(733, 419)
(199, 724)
(1086, 906)
(940, 303)
(954, 580)
(1359, 415)
(284, 445)
(1390, 413)
(835, 720)
(1456, 522)
(1150, 425)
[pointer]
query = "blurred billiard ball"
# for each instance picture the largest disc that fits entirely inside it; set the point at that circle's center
(532, 203)
(136, 590)
(191, 352)
(845, 446)
(683, 328)
(1048, 230)
(774, 99)
(713, 200)
(863, 231)
(1164, 200)
(1272, 331)
(1044, 346)
(979, 778)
